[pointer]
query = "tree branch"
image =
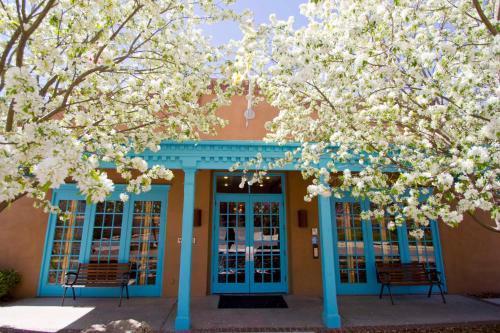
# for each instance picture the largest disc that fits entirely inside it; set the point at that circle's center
(482, 224)
(113, 36)
(483, 17)
(5, 204)
(27, 33)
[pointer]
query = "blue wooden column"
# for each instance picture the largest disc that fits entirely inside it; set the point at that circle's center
(331, 317)
(183, 319)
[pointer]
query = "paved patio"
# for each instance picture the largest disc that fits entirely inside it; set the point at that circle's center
(45, 314)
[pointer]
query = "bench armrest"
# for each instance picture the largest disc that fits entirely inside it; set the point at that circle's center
(70, 278)
(383, 276)
(125, 277)
(434, 275)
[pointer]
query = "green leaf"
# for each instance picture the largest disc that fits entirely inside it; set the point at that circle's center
(54, 21)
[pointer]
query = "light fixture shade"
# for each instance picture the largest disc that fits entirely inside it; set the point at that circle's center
(197, 218)
(302, 218)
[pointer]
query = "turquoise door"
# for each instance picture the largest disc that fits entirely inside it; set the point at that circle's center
(355, 269)
(249, 252)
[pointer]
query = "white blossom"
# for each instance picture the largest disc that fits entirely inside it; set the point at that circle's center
(101, 81)
(401, 86)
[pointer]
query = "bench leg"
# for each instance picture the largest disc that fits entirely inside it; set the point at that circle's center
(430, 290)
(441, 291)
(121, 296)
(390, 293)
(64, 295)
(381, 291)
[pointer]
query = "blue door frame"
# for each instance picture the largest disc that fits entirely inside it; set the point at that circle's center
(248, 283)
(71, 192)
(371, 286)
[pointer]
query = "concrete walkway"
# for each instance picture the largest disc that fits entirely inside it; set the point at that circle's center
(45, 314)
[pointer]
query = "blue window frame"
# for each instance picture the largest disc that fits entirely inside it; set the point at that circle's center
(65, 252)
(106, 232)
(360, 244)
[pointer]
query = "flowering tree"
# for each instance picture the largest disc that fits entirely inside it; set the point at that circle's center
(406, 92)
(89, 81)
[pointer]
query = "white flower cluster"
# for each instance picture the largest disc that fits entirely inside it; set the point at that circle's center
(405, 94)
(97, 82)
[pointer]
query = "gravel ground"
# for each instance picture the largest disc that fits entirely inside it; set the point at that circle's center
(489, 327)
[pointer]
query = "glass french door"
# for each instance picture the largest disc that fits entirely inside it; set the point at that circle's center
(249, 244)
(107, 232)
(361, 244)
(352, 260)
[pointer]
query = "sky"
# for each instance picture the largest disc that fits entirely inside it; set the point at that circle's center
(224, 31)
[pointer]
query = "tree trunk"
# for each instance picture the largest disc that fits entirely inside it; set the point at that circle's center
(5, 204)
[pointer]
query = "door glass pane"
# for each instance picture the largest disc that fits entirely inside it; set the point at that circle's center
(144, 241)
(266, 242)
(350, 242)
(230, 184)
(67, 240)
(107, 230)
(231, 242)
(269, 184)
(421, 250)
(385, 241)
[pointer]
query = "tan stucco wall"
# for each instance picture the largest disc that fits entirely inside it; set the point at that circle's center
(201, 249)
(236, 129)
(471, 256)
(22, 237)
(304, 271)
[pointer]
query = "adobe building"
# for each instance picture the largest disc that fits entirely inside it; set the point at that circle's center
(202, 234)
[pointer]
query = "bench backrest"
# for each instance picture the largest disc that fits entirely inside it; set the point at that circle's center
(398, 272)
(103, 274)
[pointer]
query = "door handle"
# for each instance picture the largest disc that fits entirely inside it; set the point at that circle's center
(251, 253)
(247, 253)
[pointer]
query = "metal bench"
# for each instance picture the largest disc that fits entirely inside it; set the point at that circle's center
(411, 274)
(98, 276)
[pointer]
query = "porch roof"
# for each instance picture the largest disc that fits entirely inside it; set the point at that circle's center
(221, 155)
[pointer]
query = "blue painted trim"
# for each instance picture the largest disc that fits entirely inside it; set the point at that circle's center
(217, 287)
(71, 192)
(282, 286)
(47, 244)
(331, 317)
(221, 155)
(65, 192)
(438, 253)
(183, 319)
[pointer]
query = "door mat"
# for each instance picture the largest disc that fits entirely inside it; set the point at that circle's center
(251, 302)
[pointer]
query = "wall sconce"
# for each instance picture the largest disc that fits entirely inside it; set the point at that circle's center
(302, 217)
(197, 218)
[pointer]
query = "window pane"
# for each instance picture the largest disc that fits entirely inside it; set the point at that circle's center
(269, 184)
(144, 241)
(105, 246)
(350, 242)
(421, 250)
(231, 242)
(266, 242)
(385, 242)
(230, 184)
(66, 240)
